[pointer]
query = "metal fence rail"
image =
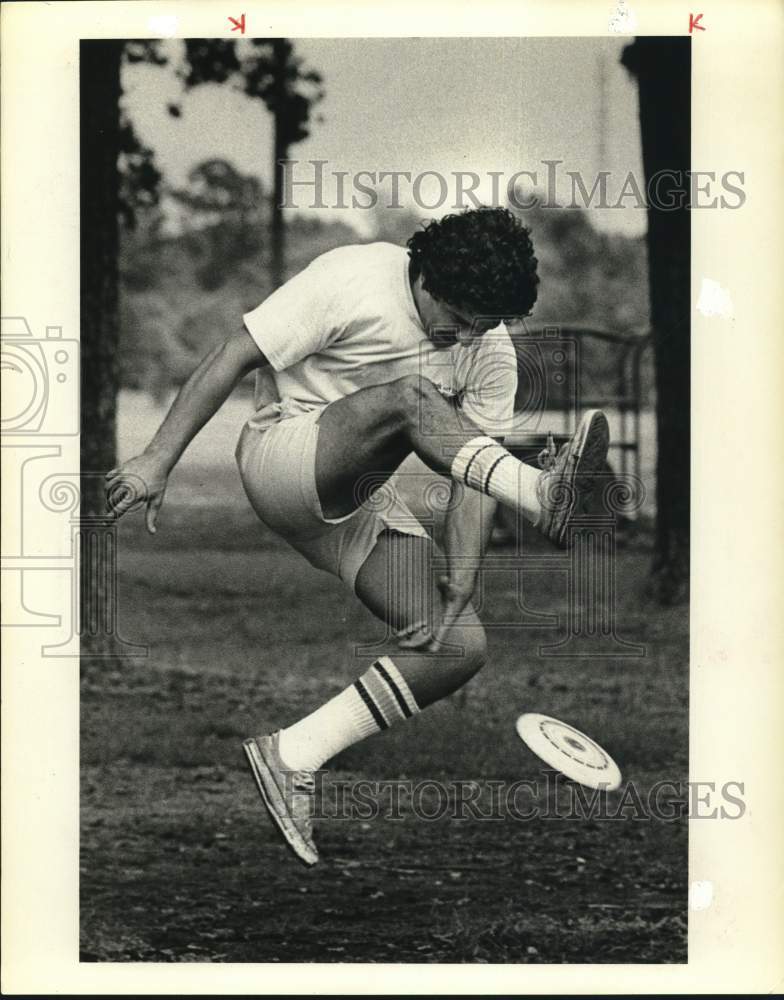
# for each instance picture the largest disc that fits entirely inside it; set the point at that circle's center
(623, 393)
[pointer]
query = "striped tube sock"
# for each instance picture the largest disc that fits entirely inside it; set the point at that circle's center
(379, 698)
(487, 466)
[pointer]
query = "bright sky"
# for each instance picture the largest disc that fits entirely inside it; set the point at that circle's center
(421, 104)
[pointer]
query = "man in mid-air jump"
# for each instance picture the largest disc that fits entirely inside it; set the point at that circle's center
(372, 353)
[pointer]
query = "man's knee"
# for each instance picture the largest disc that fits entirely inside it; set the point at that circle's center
(471, 646)
(411, 393)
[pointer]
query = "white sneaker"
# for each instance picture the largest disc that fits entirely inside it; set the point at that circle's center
(288, 795)
(566, 486)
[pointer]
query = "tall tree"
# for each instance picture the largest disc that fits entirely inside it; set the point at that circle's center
(663, 70)
(267, 69)
(100, 141)
(116, 172)
(290, 105)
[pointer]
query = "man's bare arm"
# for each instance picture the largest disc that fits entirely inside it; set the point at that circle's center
(202, 396)
(143, 478)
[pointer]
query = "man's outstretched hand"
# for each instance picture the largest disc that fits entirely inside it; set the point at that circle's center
(431, 637)
(140, 480)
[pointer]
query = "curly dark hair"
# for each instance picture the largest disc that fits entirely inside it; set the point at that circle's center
(481, 260)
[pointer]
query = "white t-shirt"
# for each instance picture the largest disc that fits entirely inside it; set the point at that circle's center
(348, 321)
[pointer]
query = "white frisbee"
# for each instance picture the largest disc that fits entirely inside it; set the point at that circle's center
(569, 751)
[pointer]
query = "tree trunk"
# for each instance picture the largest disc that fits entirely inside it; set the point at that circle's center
(99, 71)
(663, 70)
(280, 151)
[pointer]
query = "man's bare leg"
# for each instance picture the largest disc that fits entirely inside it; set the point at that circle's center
(398, 569)
(401, 566)
(374, 429)
(394, 688)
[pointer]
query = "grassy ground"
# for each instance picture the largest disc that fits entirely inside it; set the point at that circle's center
(179, 863)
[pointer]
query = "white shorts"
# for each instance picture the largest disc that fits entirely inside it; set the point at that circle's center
(278, 471)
